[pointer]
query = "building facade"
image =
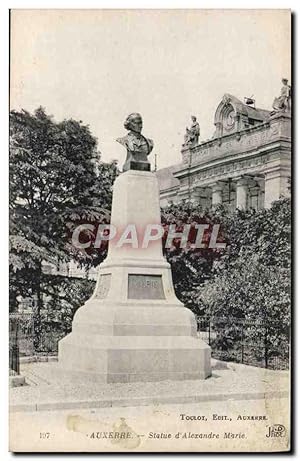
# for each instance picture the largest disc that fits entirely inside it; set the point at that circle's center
(247, 162)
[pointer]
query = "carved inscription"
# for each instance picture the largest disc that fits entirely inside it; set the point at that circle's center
(247, 140)
(103, 286)
(218, 172)
(142, 286)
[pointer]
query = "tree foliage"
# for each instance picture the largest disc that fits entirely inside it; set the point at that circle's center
(56, 181)
(248, 280)
(62, 297)
(191, 267)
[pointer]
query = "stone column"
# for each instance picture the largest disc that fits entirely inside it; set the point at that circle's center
(205, 198)
(195, 195)
(260, 180)
(241, 193)
(216, 194)
(276, 185)
(254, 197)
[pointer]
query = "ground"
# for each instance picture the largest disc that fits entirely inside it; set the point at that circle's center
(240, 408)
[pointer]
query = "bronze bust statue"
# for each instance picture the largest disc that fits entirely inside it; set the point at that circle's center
(138, 147)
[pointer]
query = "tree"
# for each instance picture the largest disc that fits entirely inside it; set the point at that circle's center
(247, 283)
(191, 267)
(56, 180)
(62, 297)
(250, 302)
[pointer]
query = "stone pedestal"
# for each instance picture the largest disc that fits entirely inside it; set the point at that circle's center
(133, 328)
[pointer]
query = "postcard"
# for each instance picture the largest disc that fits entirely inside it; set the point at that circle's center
(150, 230)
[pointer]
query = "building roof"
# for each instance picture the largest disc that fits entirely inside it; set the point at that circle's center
(241, 108)
(165, 176)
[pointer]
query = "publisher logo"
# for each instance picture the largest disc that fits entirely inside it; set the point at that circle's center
(277, 430)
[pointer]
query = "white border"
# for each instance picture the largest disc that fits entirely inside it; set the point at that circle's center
(111, 4)
(152, 4)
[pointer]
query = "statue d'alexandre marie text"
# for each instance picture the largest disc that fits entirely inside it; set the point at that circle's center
(138, 147)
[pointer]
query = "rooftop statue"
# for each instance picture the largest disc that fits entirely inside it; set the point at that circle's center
(138, 147)
(191, 137)
(283, 102)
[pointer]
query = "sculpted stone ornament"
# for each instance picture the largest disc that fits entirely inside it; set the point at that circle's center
(282, 103)
(226, 99)
(191, 137)
(138, 147)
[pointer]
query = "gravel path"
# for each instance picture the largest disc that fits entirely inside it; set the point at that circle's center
(228, 381)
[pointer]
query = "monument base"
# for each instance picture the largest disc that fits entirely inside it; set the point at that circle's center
(123, 360)
(126, 344)
(134, 328)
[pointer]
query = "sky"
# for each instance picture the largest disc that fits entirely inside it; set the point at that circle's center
(100, 65)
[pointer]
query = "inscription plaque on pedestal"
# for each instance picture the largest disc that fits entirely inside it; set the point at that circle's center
(142, 286)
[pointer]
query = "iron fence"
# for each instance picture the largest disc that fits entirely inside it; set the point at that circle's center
(49, 340)
(23, 340)
(258, 342)
(14, 354)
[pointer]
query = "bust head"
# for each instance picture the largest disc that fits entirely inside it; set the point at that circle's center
(284, 81)
(194, 119)
(134, 122)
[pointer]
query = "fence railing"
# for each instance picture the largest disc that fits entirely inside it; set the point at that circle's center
(14, 354)
(259, 342)
(22, 335)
